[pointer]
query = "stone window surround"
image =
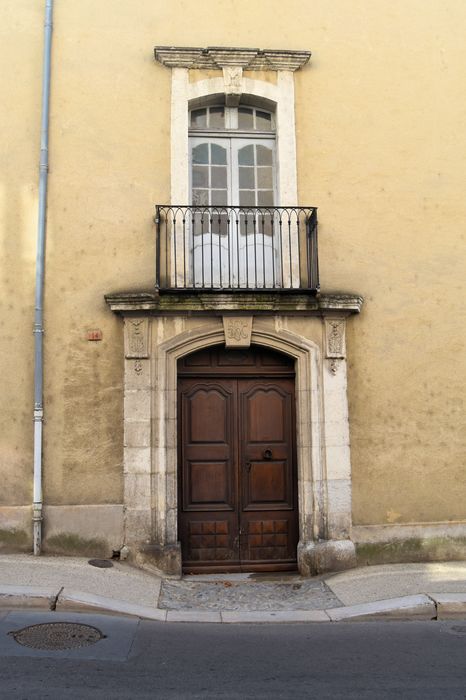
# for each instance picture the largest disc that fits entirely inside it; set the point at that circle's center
(234, 87)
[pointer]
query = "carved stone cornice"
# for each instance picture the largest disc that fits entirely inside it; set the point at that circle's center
(218, 57)
(218, 303)
(341, 303)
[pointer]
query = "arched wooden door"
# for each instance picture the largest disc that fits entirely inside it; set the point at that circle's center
(237, 461)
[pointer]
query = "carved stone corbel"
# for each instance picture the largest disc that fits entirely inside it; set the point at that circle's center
(335, 341)
(136, 338)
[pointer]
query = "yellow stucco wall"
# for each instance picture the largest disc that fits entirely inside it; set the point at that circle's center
(381, 141)
(20, 50)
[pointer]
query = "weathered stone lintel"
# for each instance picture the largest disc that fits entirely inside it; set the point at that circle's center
(217, 57)
(283, 302)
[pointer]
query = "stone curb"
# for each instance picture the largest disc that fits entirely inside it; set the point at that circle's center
(79, 601)
(449, 605)
(235, 616)
(434, 606)
(28, 597)
(419, 607)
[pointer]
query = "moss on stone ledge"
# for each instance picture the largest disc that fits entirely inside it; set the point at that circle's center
(68, 543)
(412, 550)
(15, 540)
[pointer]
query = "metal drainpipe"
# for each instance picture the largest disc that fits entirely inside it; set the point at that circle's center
(39, 295)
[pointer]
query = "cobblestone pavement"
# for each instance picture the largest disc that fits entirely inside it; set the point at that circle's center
(231, 593)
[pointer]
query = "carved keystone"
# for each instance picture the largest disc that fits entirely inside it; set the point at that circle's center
(232, 78)
(238, 330)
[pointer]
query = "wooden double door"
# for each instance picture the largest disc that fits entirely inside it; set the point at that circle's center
(237, 470)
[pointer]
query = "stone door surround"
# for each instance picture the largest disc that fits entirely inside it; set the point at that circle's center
(154, 341)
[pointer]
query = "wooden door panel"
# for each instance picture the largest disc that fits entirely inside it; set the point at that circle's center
(267, 540)
(268, 523)
(208, 520)
(266, 486)
(209, 540)
(235, 358)
(208, 486)
(269, 537)
(265, 415)
(207, 415)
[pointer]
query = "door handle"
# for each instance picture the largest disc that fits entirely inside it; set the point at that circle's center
(248, 466)
(267, 454)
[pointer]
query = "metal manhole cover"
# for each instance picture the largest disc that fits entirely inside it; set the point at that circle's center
(57, 635)
(101, 563)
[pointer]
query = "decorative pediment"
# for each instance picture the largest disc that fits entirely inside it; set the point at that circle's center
(218, 57)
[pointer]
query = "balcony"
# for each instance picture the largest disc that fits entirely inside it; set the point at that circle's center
(236, 249)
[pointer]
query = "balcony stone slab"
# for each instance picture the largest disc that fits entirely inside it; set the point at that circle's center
(217, 303)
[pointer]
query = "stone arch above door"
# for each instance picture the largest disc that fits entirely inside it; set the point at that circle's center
(150, 462)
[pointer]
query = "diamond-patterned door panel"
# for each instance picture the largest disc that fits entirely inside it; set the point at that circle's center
(209, 540)
(267, 539)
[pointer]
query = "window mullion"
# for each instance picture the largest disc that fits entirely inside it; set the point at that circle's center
(231, 117)
(234, 193)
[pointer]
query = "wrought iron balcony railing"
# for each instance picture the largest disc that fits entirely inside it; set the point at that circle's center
(236, 248)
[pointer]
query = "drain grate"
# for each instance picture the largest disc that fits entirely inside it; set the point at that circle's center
(57, 635)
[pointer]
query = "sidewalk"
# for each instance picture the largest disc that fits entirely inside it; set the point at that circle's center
(401, 591)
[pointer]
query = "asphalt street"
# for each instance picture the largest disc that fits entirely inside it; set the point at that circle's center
(147, 659)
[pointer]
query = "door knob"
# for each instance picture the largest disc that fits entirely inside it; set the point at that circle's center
(267, 454)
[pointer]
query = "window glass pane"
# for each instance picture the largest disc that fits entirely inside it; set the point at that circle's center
(220, 197)
(219, 224)
(217, 117)
(218, 155)
(265, 223)
(201, 221)
(263, 121)
(248, 223)
(200, 198)
(201, 153)
(247, 198)
(264, 155)
(265, 198)
(200, 176)
(245, 118)
(218, 177)
(199, 117)
(264, 178)
(246, 178)
(246, 155)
